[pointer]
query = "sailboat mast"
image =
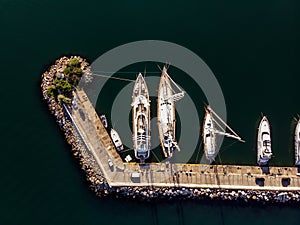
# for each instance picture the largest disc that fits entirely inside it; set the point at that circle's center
(174, 82)
(177, 96)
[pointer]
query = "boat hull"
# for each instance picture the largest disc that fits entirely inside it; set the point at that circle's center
(264, 148)
(116, 140)
(209, 136)
(297, 144)
(166, 116)
(141, 119)
(104, 120)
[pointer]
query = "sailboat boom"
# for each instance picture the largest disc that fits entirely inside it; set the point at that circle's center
(229, 135)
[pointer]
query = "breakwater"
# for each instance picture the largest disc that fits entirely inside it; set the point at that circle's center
(86, 160)
(91, 144)
(244, 196)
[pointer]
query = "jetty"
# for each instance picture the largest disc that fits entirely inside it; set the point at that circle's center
(165, 174)
(108, 174)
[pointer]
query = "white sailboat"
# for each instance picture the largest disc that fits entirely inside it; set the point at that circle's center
(166, 113)
(297, 144)
(264, 148)
(116, 139)
(210, 128)
(141, 119)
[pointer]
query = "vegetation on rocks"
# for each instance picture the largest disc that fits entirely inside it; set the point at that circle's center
(64, 83)
(63, 98)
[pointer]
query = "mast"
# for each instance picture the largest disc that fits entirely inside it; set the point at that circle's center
(176, 96)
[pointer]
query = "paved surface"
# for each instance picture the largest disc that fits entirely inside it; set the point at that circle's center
(100, 145)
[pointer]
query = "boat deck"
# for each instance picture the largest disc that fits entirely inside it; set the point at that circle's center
(99, 144)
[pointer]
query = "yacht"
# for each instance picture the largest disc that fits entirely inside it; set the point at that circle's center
(264, 148)
(104, 120)
(141, 119)
(297, 144)
(117, 140)
(166, 113)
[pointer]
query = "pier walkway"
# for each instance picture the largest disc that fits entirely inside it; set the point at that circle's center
(99, 143)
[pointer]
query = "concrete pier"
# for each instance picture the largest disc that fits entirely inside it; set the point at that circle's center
(99, 143)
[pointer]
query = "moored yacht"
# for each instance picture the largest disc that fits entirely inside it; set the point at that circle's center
(297, 144)
(208, 136)
(116, 139)
(141, 119)
(166, 113)
(264, 148)
(104, 120)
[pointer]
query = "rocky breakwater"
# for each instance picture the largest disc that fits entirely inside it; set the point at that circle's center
(243, 196)
(57, 85)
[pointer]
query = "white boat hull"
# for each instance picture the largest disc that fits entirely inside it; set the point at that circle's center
(297, 144)
(209, 136)
(141, 119)
(264, 148)
(116, 140)
(104, 120)
(166, 116)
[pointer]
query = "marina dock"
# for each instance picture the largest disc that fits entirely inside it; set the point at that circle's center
(100, 145)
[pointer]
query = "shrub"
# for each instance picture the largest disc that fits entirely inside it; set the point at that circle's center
(77, 71)
(51, 91)
(63, 98)
(63, 85)
(74, 63)
(67, 71)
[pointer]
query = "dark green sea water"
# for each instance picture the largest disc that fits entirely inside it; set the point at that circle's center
(252, 47)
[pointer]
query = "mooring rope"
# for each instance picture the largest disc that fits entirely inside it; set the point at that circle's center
(110, 77)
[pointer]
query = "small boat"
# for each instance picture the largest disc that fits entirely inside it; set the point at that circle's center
(264, 149)
(210, 128)
(104, 120)
(141, 119)
(166, 113)
(297, 144)
(116, 139)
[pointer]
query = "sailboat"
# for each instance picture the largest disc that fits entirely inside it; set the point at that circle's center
(210, 129)
(166, 113)
(116, 140)
(264, 148)
(297, 144)
(141, 119)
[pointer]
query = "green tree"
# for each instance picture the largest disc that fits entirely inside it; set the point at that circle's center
(67, 100)
(62, 98)
(63, 85)
(66, 87)
(77, 71)
(74, 62)
(51, 91)
(67, 71)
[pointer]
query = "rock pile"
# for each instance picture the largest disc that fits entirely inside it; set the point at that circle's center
(146, 193)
